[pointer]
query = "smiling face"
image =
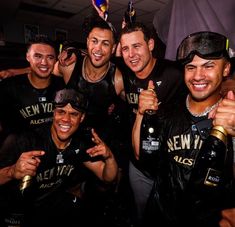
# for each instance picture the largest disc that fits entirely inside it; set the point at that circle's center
(136, 52)
(100, 45)
(66, 121)
(204, 77)
(42, 58)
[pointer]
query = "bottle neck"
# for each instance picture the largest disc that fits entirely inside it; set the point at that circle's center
(220, 133)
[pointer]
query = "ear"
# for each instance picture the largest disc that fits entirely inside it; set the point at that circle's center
(151, 44)
(114, 48)
(82, 117)
(27, 57)
(227, 68)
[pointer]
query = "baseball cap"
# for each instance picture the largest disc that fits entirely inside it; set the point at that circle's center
(68, 95)
(205, 44)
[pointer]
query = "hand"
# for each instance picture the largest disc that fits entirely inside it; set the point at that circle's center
(27, 164)
(148, 99)
(99, 11)
(67, 57)
(111, 109)
(228, 218)
(6, 73)
(225, 114)
(100, 148)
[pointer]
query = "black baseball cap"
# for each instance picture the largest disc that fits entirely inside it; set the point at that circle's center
(205, 44)
(70, 96)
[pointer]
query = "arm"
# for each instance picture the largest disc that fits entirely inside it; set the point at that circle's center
(13, 72)
(65, 64)
(107, 168)
(136, 134)
(147, 100)
(118, 83)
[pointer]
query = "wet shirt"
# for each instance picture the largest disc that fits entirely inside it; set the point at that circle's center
(181, 137)
(101, 94)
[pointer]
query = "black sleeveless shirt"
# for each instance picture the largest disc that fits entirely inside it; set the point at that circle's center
(100, 94)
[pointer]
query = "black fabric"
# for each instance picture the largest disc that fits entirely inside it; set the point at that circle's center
(23, 106)
(169, 87)
(100, 94)
(48, 192)
(172, 201)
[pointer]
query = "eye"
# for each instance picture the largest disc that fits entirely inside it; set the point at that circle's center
(51, 57)
(75, 114)
(124, 49)
(60, 111)
(38, 56)
(106, 44)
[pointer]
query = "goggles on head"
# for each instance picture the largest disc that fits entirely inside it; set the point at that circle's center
(76, 99)
(207, 45)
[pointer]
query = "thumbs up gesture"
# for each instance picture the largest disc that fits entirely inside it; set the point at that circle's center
(225, 113)
(148, 99)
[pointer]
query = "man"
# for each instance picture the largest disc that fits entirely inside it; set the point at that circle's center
(54, 155)
(181, 132)
(137, 44)
(27, 99)
(94, 74)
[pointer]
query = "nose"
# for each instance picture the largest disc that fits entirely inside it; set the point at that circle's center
(131, 52)
(199, 74)
(44, 61)
(66, 117)
(98, 46)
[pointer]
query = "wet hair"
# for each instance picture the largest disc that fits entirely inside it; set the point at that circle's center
(42, 39)
(95, 21)
(138, 26)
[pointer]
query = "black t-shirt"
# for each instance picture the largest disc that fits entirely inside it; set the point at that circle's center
(48, 191)
(169, 87)
(180, 137)
(24, 106)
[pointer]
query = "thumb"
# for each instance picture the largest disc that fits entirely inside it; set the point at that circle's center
(230, 95)
(151, 85)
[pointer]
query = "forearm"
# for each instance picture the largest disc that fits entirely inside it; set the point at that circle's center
(136, 134)
(110, 169)
(6, 174)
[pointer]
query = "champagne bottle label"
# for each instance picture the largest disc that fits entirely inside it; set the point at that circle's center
(213, 177)
(150, 144)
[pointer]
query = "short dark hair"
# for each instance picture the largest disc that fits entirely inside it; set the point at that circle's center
(95, 21)
(138, 26)
(43, 39)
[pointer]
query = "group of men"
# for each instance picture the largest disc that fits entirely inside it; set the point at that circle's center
(56, 153)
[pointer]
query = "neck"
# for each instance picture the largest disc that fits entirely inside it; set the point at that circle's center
(201, 108)
(147, 69)
(92, 73)
(38, 82)
(60, 144)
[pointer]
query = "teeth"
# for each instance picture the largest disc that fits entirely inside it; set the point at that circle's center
(98, 55)
(199, 85)
(43, 69)
(64, 128)
(134, 61)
